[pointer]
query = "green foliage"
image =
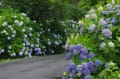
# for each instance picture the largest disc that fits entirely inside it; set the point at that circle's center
(15, 28)
(99, 31)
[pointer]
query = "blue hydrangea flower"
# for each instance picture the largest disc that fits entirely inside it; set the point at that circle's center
(118, 12)
(84, 51)
(78, 47)
(107, 65)
(79, 68)
(71, 67)
(113, 20)
(102, 22)
(102, 45)
(71, 48)
(85, 71)
(105, 12)
(68, 56)
(83, 56)
(91, 66)
(92, 27)
(109, 6)
(91, 55)
(88, 77)
(98, 63)
(107, 33)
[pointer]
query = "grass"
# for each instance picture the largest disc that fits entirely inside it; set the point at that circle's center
(4, 60)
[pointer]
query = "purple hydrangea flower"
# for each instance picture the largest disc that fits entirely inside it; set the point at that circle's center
(91, 55)
(86, 71)
(88, 77)
(64, 77)
(117, 6)
(118, 12)
(68, 56)
(83, 56)
(113, 20)
(71, 67)
(102, 45)
(78, 47)
(84, 51)
(107, 65)
(109, 6)
(92, 28)
(107, 33)
(79, 68)
(91, 66)
(102, 22)
(98, 63)
(105, 12)
(71, 48)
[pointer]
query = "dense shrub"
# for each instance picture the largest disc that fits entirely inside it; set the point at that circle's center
(99, 33)
(18, 34)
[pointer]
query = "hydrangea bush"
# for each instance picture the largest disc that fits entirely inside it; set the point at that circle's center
(20, 36)
(17, 35)
(99, 33)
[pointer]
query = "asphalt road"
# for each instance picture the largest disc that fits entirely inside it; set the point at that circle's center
(47, 67)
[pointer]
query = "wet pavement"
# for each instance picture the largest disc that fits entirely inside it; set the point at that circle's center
(43, 67)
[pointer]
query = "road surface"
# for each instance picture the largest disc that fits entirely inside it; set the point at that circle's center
(46, 67)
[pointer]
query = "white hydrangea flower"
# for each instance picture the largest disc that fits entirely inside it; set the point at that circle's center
(34, 21)
(109, 6)
(20, 53)
(25, 36)
(15, 16)
(32, 45)
(111, 44)
(81, 23)
(5, 23)
(9, 26)
(23, 14)
(100, 8)
(113, 1)
(49, 43)
(2, 50)
(93, 16)
(4, 31)
(0, 3)
(13, 54)
(53, 51)
(21, 23)
(9, 47)
(56, 42)
(30, 34)
(11, 29)
(9, 38)
(119, 39)
(29, 55)
(92, 11)
(87, 16)
(28, 19)
(23, 30)
(103, 45)
(48, 30)
(13, 36)
(31, 29)
(16, 21)
(14, 32)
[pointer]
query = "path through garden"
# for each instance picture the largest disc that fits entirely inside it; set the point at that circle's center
(47, 67)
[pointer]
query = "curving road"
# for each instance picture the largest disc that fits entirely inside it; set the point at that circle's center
(47, 67)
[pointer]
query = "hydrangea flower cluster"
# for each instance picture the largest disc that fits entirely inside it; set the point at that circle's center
(83, 70)
(21, 36)
(100, 34)
(79, 50)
